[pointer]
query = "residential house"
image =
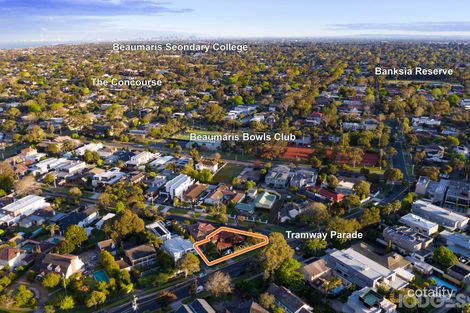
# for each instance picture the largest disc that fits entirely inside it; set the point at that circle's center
(178, 185)
(196, 306)
(248, 306)
(177, 247)
(64, 264)
(366, 300)
(316, 272)
(452, 194)
(142, 158)
(439, 215)
(90, 147)
(141, 256)
(458, 243)
(23, 207)
(278, 177)
(265, 200)
(362, 271)
(303, 178)
(200, 230)
(217, 195)
(11, 257)
(203, 164)
(193, 193)
(159, 229)
(419, 224)
(288, 301)
(109, 177)
(109, 245)
(83, 218)
(225, 240)
(406, 239)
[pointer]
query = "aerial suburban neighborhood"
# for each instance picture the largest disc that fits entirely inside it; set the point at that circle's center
(235, 176)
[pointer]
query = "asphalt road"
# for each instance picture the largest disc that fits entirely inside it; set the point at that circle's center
(149, 302)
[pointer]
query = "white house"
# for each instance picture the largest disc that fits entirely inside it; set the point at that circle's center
(25, 206)
(419, 224)
(107, 178)
(63, 264)
(159, 229)
(11, 257)
(207, 165)
(178, 185)
(91, 147)
(177, 247)
(142, 158)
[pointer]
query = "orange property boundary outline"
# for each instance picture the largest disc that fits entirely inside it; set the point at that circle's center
(196, 245)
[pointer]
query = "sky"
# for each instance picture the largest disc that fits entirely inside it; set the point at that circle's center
(41, 21)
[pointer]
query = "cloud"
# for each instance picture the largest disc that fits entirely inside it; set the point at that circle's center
(12, 8)
(412, 27)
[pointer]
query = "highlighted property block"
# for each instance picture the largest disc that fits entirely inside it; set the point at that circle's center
(223, 240)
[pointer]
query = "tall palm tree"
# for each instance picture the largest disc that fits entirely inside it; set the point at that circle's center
(52, 228)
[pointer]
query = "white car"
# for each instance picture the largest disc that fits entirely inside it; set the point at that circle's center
(199, 289)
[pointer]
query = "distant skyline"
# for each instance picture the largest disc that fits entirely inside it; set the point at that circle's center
(34, 22)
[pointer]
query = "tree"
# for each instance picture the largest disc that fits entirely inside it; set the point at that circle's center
(445, 256)
(108, 262)
(53, 149)
(75, 194)
(75, 234)
(219, 284)
(165, 297)
(48, 308)
(266, 300)
(275, 253)
(370, 216)
(49, 179)
(331, 284)
(95, 298)
(287, 273)
(35, 134)
(393, 174)
(312, 246)
(355, 155)
(278, 309)
(24, 297)
(316, 162)
(189, 264)
(124, 224)
(214, 113)
(340, 225)
(51, 280)
(7, 177)
(66, 303)
(362, 189)
(205, 176)
(332, 181)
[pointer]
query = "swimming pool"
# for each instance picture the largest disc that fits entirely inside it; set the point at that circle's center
(101, 276)
(443, 283)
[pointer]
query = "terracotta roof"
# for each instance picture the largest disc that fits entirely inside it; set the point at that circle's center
(8, 253)
(201, 230)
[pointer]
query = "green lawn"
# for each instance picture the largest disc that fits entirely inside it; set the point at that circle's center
(227, 173)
